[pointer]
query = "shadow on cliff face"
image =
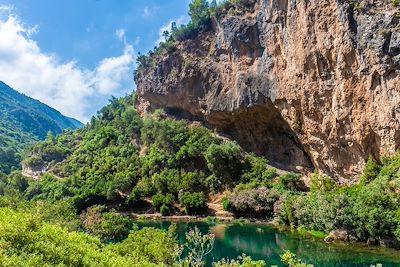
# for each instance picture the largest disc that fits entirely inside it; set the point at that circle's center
(260, 129)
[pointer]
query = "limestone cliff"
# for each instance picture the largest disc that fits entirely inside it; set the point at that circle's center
(308, 84)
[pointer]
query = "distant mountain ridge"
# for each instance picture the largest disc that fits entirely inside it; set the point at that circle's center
(31, 115)
(24, 120)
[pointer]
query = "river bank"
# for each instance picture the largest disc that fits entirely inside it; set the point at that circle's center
(267, 242)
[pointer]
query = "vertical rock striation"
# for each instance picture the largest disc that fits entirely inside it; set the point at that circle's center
(308, 84)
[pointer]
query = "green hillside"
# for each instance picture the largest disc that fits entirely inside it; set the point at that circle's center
(24, 120)
(122, 160)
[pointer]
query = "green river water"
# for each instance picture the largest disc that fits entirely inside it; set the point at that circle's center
(263, 242)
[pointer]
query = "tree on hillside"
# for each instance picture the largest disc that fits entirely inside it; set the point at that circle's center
(199, 13)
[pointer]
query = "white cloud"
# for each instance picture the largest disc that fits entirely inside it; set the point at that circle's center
(5, 8)
(120, 33)
(168, 27)
(111, 71)
(62, 85)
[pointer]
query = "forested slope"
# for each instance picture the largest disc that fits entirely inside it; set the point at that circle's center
(23, 121)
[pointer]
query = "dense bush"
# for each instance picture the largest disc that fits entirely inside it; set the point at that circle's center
(27, 241)
(291, 181)
(108, 226)
(371, 171)
(224, 161)
(9, 159)
(256, 202)
(161, 201)
(257, 171)
(193, 202)
(242, 261)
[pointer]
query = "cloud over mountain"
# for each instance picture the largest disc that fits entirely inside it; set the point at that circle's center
(63, 85)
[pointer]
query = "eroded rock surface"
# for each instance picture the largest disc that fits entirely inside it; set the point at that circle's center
(309, 84)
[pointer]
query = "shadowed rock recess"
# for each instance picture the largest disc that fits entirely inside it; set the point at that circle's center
(308, 84)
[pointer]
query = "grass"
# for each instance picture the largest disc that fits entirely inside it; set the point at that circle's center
(312, 233)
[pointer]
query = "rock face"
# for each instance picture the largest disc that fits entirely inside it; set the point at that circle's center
(35, 172)
(308, 84)
(337, 235)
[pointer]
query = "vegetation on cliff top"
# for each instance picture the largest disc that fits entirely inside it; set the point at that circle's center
(201, 13)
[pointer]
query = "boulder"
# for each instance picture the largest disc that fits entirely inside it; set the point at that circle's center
(338, 235)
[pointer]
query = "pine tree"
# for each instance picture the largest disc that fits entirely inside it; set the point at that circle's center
(199, 13)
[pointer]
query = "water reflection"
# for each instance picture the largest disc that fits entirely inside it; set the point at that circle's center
(266, 243)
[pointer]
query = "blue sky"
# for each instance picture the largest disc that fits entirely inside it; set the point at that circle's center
(73, 55)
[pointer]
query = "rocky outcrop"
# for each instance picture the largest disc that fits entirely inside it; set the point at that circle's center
(34, 172)
(340, 235)
(308, 84)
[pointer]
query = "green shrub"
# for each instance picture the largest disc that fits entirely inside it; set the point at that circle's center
(165, 210)
(257, 172)
(134, 197)
(371, 171)
(158, 201)
(322, 183)
(374, 211)
(224, 161)
(284, 209)
(226, 204)
(291, 260)
(243, 261)
(161, 200)
(109, 226)
(290, 181)
(193, 202)
(256, 202)
(314, 212)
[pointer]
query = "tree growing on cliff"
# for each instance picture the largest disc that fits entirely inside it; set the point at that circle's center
(371, 170)
(199, 12)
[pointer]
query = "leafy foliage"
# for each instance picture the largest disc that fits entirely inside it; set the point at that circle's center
(255, 202)
(108, 226)
(198, 246)
(27, 241)
(193, 202)
(371, 170)
(242, 261)
(291, 260)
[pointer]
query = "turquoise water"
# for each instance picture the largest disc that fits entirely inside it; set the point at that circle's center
(267, 243)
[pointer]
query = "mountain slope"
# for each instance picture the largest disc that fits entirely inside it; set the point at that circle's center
(24, 120)
(30, 115)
